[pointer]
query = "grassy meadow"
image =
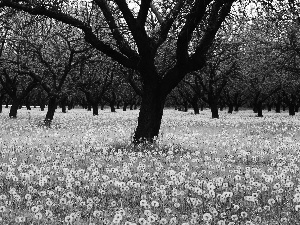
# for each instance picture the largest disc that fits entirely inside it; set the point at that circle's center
(239, 169)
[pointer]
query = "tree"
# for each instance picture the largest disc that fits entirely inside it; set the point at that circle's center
(137, 46)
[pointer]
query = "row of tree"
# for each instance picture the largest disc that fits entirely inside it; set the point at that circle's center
(213, 52)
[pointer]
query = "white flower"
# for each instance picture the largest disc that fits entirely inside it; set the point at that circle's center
(207, 217)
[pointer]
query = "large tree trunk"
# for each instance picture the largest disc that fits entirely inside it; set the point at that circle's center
(51, 110)
(150, 114)
(14, 108)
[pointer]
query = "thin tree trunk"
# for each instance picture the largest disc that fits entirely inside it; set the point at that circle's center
(112, 107)
(259, 109)
(27, 103)
(296, 108)
(214, 111)
(277, 107)
(269, 107)
(95, 109)
(230, 108)
(201, 107)
(14, 108)
(292, 109)
(1, 102)
(64, 104)
(131, 106)
(89, 107)
(125, 106)
(102, 106)
(236, 108)
(195, 106)
(186, 108)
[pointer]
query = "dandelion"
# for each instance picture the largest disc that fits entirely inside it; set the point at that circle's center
(244, 214)
(154, 204)
(63, 201)
(168, 210)
(173, 220)
(221, 222)
(207, 217)
(234, 217)
(35, 209)
(68, 219)
(38, 216)
(48, 213)
(163, 221)
(271, 201)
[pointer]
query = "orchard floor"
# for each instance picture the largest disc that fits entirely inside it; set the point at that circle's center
(238, 169)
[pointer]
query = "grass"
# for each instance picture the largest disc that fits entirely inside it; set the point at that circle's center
(239, 169)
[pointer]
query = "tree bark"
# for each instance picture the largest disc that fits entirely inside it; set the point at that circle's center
(296, 108)
(269, 107)
(89, 107)
(150, 114)
(102, 106)
(236, 108)
(14, 108)
(51, 110)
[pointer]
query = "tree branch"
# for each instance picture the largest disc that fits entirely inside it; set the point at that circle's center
(90, 37)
